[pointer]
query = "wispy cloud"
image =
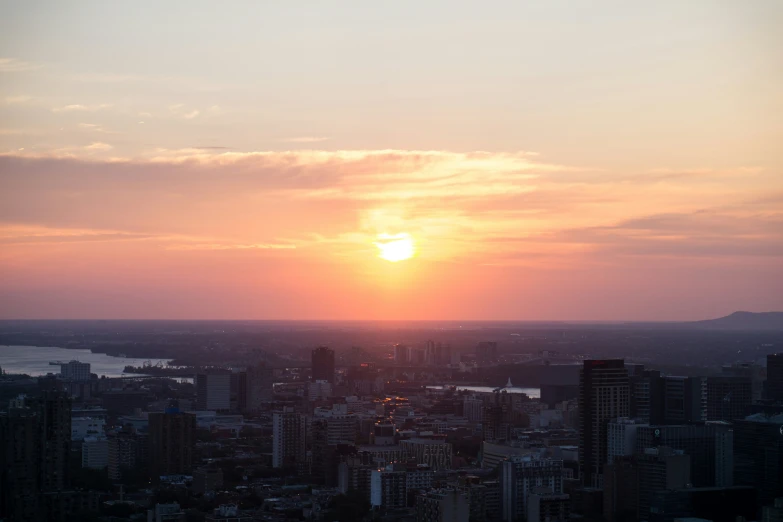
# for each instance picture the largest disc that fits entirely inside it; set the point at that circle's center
(9, 65)
(98, 146)
(17, 100)
(83, 108)
(305, 139)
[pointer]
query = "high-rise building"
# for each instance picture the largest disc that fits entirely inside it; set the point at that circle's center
(621, 489)
(433, 453)
(388, 488)
(486, 351)
(521, 476)
(774, 384)
(75, 371)
(647, 397)
(755, 372)
(442, 505)
(259, 386)
(128, 451)
(95, 453)
(726, 504)
(213, 390)
(289, 437)
(322, 364)
(728, 398)
(340, 425)
(172, 437)
(437, 354)
(621, 437)
(401, 354)
(660, 469)
(20, 455)
(35, 448)
(545, 506)
(758, 455)
(54, 428)
(710, 446)
(603, 395)
(685, 400)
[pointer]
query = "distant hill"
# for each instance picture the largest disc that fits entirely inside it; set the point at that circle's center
(744, 321)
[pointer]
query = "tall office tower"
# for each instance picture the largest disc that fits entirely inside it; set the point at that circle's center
(442, 505)
(20, 457)
(522, 475)
(728, 398)
(54, 428)
(774, 385)
(437, 354)
(323, 364)
(660, 469)
(755, 372)
(710, 446)
(75, 371)
(758, 455)
(128, 451)
(486, 351)
(401, 354)
(213, 390)
(172, 437)
(259, 386)
(341, 426)
(417, 356)
(543, 506)
(603, 395)
(289, 435)
(621, 437)
(436, 454)
(685, 400)
(621, 489)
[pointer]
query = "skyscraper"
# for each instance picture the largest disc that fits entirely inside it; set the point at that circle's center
(774, 386)
(259, 386)
(603, 395)
(54, 431)
(660, 469)
(289, 432)
(728, 398)
(685, 399)
(323, 364)
(213, 390)
(522, 475)
(758, 455)
(172, 438)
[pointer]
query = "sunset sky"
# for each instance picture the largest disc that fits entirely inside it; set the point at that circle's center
(566, 160)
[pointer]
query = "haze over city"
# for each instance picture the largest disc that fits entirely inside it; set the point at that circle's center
(435, 160)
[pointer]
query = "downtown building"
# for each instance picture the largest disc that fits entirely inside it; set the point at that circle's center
(603, 395)
(289, 438)
(172, 439)
(521, 476)
(35, 448)
(213, 390)
(322, 359)
(433, 453)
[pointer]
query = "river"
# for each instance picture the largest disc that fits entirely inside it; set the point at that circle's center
(533, 393)
(34, 360)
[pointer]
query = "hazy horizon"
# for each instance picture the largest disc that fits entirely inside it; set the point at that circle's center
(554, 161)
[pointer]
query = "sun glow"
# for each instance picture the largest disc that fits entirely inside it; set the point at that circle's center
(397, 247)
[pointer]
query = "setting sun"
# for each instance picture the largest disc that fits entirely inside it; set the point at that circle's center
(397, 247)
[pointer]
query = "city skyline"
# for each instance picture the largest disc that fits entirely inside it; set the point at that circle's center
(435, 161)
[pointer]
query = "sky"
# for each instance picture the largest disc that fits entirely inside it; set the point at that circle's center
(546, 160)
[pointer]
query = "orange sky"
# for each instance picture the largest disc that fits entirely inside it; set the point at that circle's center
(564, 165)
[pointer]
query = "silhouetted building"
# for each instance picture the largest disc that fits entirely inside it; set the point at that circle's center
(213, 390)
(728, 398)
(258, 387)
(128, 451)
(774, 385)
(486, 351)
(758, 455)
(710, 446)
(521, 476)
(400, 354)
(551, 394)
(647, 395)
(545, 506)
(660, 469)
(603, 395)
(685, 400)
(289, 436)
(172, 438)
(322, 364)
(621, 489)
(35, 449)
(437, 354)
(442, 505)
(714, 504)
